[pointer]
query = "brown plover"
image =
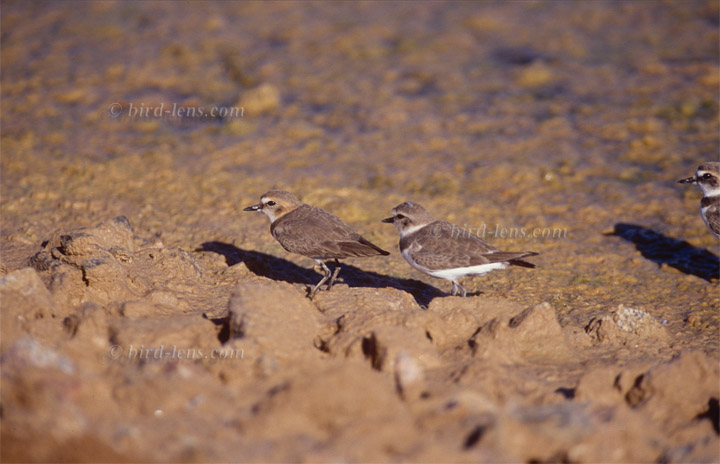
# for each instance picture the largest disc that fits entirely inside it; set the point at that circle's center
(312, 232)
(707, 178)
(440, 249)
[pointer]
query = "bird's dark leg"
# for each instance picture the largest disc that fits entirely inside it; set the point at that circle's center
(335, 274)
(462, 290)
(457, 288)
(322, 281)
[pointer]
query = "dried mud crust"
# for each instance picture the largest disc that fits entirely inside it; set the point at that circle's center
(102, 344)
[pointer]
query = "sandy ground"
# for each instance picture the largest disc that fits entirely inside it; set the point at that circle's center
(145, 317)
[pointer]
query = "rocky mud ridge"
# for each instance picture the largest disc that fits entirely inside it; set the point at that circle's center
(118, 348)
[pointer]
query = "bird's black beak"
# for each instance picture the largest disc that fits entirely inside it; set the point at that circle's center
(689, 180)
(257, 207)
(389, 220)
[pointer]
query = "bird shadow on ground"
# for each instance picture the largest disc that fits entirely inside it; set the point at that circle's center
(275, 268)
(662, 249)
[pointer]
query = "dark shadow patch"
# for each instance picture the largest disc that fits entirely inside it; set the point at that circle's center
(423, 293)
(517, 320)
(559, 457)
(662, 249)
(279, 388)
(321, 345)
(223, 327)
(275, 268)
(516, 56)
(474, 436)
(371, 352)
(637, 393)
(472, 344)
(568, 393)
(712, 414)
(71, 324)
(262, 264)
(469, 294)
(224, 332)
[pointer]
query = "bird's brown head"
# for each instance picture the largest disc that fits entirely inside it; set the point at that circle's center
(275, 204)
(408, 217)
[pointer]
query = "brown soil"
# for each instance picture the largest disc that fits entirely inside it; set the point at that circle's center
(145, 317)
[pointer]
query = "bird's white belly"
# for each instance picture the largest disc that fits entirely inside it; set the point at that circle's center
(455, 273)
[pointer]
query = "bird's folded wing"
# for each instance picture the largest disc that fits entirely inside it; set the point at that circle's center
(360, 248)
(321, 235)
(445, 246)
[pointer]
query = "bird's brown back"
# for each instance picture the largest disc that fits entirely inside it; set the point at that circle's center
(444, 246)
(316, 233)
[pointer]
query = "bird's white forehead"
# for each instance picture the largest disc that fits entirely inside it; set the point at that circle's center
(715, 171)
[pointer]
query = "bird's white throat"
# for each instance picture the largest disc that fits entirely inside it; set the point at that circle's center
(409, 230)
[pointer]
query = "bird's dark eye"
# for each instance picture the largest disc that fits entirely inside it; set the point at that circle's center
(706, 176)
(271, 203)
(399, 216)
